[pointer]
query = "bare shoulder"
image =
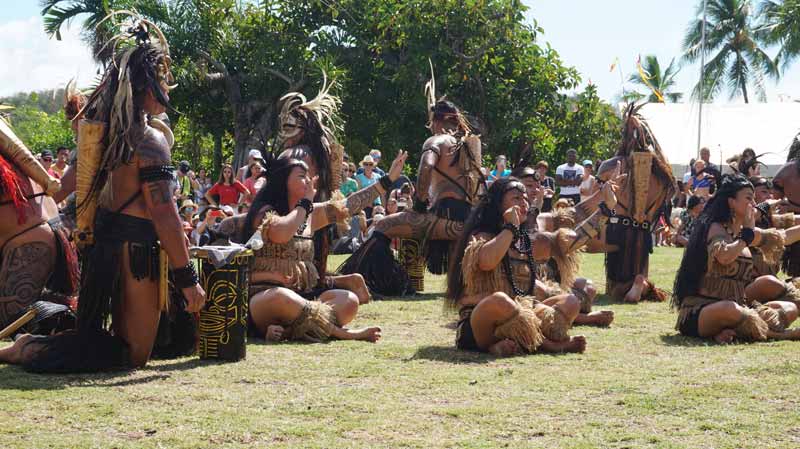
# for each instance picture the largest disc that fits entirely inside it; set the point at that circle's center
(153, 149)
(717, 230)
(607, 168)
(439, 142)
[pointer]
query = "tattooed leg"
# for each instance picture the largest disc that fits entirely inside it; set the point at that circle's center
(24, 272)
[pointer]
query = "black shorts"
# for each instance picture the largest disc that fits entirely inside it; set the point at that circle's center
(690, 325)
(465, 338)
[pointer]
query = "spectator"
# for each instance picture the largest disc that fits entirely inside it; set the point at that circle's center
(252, 156)
(254, 181)
(569, 177)
(549, 185)
(711, 168)
(187, 184)
(700, 184)
(589, 183)
(391, 206)
(694, 206)
(46, 158)
(500, 170)
(376, 158)
(349, 184)
(204, 182)
(206, 231)
(62, 156)
(226, 189)
(187, 211)
(366, 179)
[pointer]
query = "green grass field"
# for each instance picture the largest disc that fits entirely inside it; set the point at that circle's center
(638, 385)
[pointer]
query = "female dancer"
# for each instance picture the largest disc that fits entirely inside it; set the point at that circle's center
(494, 285)
(285, 302)
(721, 290)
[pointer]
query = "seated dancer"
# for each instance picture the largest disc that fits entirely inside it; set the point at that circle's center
(549, 281)
(449, 179)
(37, 261)
(643, 200)
(124, 267)
(723, 290)
(494, 285)
(285, 302)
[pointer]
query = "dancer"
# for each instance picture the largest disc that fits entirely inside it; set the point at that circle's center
(36, 258)
(723, 290)
(643, 200)
(495, 284)
(449, 182)
(124, 269)
(285, 300)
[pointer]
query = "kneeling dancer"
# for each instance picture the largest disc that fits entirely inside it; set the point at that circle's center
(721, 290)
(285, 300)
(495, 283)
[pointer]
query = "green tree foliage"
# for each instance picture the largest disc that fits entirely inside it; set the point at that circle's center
(662, 81)
(39, 130)
(234, 60)
(735, 56)
(781, 26)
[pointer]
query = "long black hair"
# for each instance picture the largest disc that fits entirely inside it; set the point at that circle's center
(486, 217)
(273, 195)
(695, 257)
(314, 138)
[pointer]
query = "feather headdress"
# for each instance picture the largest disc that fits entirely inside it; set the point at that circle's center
(324, 108)
(430, 94)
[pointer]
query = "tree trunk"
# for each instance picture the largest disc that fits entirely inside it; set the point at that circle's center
(217, 152)
(744, 92)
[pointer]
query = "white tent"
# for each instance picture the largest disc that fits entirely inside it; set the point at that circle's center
(727, 130)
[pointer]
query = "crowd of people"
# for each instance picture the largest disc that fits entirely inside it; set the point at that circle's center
(508, 239)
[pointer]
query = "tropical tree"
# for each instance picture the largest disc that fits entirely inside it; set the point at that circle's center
(781, 26)
(733, 42)
(663, 82)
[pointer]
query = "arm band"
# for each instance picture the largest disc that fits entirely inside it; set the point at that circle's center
(185, 277)
(157, 173)
(386, 183)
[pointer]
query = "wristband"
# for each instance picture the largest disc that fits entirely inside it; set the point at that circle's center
(386, 183)
(306, 204)
(747, 235)
(605, 210)
(420, 206)
(185, 277)
(511, 227)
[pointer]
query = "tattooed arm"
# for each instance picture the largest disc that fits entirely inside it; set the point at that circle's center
(158, 198)
(430, 156)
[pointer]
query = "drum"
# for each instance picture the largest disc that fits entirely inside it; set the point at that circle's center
(223, 319)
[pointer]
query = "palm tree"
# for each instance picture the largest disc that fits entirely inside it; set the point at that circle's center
(661, 81)
(782, 27)
(739, 60)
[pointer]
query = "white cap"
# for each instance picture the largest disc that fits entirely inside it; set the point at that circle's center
(254, 154)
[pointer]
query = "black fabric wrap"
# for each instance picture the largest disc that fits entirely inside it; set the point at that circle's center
(386, 183)
(157, 173)
(186, 276)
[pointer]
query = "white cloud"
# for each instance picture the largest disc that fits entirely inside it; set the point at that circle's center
(30, 60)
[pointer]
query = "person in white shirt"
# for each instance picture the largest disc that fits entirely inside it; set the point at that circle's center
(569, 177)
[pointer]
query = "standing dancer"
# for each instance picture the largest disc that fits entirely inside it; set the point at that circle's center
(643, 200)
(136, 233)
(449, 182)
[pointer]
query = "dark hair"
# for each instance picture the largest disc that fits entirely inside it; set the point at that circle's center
(184, 167)
(405, 188)
(221, 179)
(759, 181)
(750, 152)
(486, 217)
(448, 113)
(313, 135)
(695, 257)
(274, 195)
(59, 149)
(693, 201)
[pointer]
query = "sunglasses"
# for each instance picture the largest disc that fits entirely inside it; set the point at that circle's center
(47, 159)
(368, 164)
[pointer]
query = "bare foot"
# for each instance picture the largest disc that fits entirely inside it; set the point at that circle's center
(504, 348)
(602, 318)
(13, 354)
(725, 337)
(370, 334)
(634, 295)
(574, 344)
(355, 283)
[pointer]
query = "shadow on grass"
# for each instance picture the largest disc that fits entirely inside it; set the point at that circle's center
(412, 298)
(15, 378)
(681, 340)
(450, 354)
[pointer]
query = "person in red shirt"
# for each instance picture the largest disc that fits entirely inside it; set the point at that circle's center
(226, 189)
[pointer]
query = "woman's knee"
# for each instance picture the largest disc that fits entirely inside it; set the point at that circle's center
(765, 288)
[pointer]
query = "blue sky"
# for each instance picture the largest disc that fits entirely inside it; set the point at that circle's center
(589, 35)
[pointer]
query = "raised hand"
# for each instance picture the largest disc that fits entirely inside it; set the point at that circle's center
(513, 215)
(610, 188)
(397, 165)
